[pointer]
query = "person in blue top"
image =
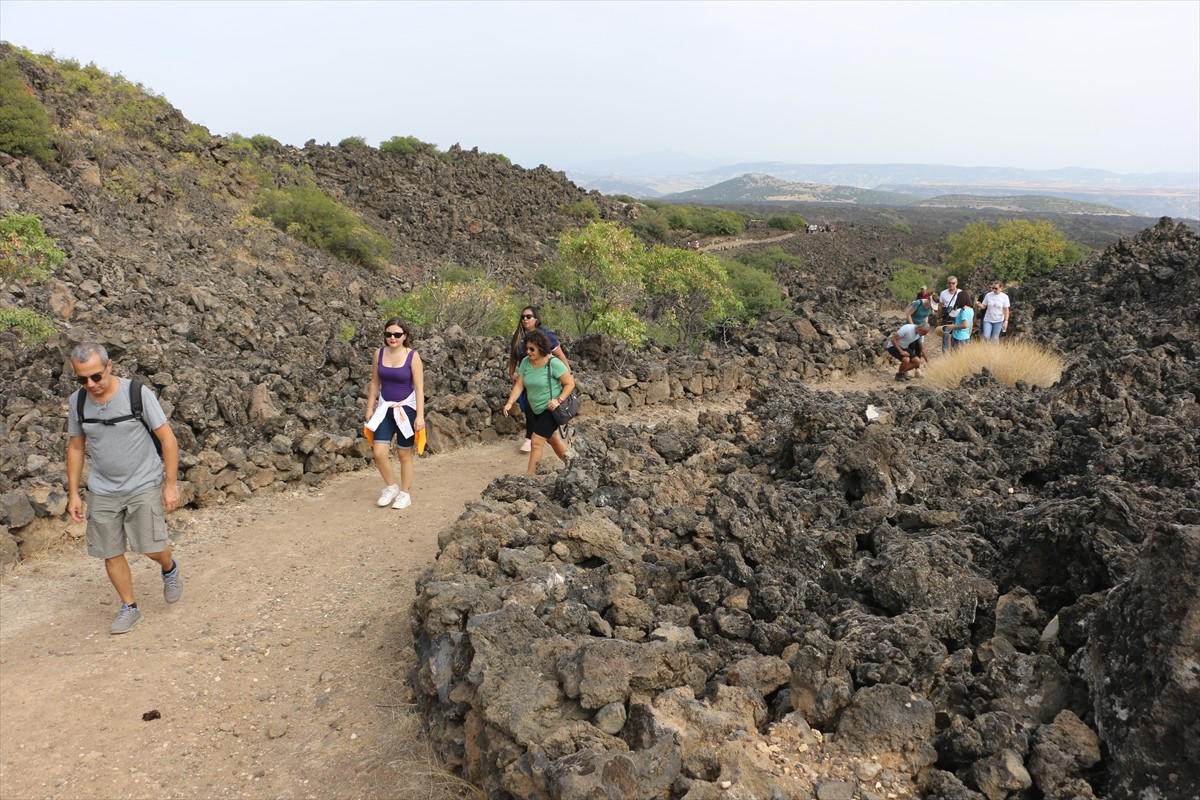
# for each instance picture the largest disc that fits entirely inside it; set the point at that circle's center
(546, 381)
(960, 331)
(919, 310)
(529, 321)
(396, 409)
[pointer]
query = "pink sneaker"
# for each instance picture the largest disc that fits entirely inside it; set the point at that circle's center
(526, 446)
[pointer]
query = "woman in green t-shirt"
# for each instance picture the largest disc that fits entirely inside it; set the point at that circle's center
(546, 381)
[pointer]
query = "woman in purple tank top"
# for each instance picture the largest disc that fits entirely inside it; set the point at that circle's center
(396, 408)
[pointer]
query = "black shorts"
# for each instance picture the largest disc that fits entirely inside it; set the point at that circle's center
(913, 351)
(544, 424)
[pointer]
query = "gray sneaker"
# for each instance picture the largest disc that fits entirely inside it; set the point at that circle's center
(172, 584)
(127, 617)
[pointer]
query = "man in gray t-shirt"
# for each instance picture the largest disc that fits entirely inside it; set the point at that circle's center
(130, 488)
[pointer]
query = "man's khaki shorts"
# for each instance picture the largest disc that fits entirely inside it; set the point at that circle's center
(137, 516)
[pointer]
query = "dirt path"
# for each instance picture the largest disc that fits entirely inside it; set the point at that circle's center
(731, 244)
(281, 673)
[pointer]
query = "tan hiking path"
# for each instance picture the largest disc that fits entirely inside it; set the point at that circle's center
(281, 672)
(736, 242)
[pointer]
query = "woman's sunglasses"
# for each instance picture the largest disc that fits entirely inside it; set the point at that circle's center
(528, 316)
(393, 334)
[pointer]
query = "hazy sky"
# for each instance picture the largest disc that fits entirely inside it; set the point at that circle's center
(1039, 85)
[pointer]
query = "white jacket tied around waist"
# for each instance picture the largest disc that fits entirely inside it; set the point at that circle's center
(402, 421)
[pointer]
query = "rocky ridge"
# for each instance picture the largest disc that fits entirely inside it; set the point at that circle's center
(992, 594)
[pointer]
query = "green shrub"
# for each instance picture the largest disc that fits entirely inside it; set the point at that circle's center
(1010, 250)
(902, 227)
(346, 332)
(771, 260)
(262, 143)
(652, 225)
(503, 159)
(908, 278)
(354, 142)
(788, 222)
(459, 296)
(754, 287)
(27, 254)
(405, 146)
(710, 221)
(33, 328)
(315, 219)
(25, 128)
(582, 209)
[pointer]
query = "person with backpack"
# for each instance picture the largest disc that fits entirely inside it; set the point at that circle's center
(134, 479)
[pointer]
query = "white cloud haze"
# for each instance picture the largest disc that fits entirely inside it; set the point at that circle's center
(1038, 85)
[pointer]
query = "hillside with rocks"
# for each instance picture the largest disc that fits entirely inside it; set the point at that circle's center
(985, 592)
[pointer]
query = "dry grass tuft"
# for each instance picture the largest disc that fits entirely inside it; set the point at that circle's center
(1008, 360)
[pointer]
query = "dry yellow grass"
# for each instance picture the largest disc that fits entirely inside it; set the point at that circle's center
(1008, 360)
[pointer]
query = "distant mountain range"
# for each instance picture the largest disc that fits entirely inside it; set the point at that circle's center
(674, 176)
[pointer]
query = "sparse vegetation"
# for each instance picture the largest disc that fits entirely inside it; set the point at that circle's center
(908, 278)
(789, 222)
(27, 254)
(710, 221)
(31, 327)
(754, 287)
(354, 142)
(1010, 250)
(582, 209)
(315, 219)
(456, 295)
(406, 146)
(25, 128)
(1008, 360)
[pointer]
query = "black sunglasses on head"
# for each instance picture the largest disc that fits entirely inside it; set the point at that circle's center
(393, 334)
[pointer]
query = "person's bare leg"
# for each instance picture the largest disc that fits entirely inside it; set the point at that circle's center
(558, 446)
(383, 461)
(164, 558)
(535, 453)
(117, 568)
(406, 468)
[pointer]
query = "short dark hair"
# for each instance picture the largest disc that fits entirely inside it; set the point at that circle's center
(539, 340)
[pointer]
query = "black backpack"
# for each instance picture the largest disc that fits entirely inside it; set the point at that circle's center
(135, 407)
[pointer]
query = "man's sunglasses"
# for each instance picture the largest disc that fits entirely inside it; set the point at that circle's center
(391, 335)
(85, 379)
(528, 316)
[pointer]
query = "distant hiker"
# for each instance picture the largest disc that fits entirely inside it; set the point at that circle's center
(907, 345)
(959, 329)
(529, 321)
(995, 305)
(949, 301)
(396, 409)
(131, 488)
(919, 310)
(545, 381)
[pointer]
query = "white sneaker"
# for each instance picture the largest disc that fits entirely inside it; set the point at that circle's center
(526, 446)
(918, 373)
(403, 500)
(388, 495)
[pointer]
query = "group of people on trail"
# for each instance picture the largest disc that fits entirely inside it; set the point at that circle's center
(956, 309)
(133, 483)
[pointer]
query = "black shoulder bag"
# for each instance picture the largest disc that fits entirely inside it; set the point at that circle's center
(568, 408)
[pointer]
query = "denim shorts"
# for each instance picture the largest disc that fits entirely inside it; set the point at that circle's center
(138, 516)
(388, 430)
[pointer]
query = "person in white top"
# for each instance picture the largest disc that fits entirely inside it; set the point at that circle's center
(949, 301)
(907, 345)
(995, 305)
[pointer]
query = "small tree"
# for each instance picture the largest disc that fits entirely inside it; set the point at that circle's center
(1010, 250)
(599, 273)
(688, 292)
